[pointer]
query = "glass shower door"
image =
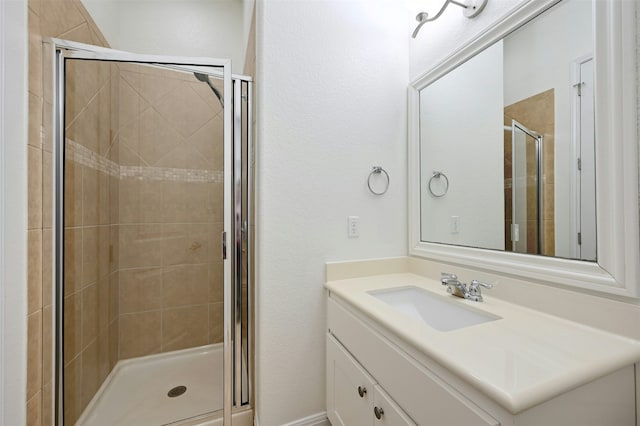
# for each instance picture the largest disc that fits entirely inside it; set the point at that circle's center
(526, 228)
(143, 216)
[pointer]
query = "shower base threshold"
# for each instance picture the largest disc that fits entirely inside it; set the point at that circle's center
(136, 391)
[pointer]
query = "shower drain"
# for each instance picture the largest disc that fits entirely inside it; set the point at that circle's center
(177, 391)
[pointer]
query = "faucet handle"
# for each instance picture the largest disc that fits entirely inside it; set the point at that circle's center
(474, 292)
(475, 284)
(445, 277)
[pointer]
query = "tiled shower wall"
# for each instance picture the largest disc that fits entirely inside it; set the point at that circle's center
(91, 231)
(68, 20)
(171, 212)
(536, 113)
(159, 192)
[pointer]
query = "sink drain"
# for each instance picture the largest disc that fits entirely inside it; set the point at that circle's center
(177, 391)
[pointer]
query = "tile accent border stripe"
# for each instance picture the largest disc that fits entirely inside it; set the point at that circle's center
(82, 155)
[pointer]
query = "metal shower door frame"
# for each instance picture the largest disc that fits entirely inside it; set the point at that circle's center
(63, 50)
(539, 173)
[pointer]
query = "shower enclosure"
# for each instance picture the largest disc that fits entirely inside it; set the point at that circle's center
(152, 187)
(526, 190)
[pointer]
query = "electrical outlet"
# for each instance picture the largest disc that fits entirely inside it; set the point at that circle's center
(353, 230)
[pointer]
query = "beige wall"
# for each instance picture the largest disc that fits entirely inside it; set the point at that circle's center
(67, 20)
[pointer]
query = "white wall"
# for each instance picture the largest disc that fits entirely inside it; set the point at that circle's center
(332, 84)
(537, 58)
(462, 136)
(211, 28)
(13, 210)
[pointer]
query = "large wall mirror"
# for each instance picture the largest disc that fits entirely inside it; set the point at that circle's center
(524, 148)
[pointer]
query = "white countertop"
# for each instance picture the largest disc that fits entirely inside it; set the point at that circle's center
(521, 360)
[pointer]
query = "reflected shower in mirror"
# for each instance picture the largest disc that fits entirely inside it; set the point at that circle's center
(513, 130)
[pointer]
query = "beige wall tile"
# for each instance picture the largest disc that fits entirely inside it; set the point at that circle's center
(184, 285)
(47, 122)
(34, 270)
(73, 390)
(72, 260)
(114, 248)
(35, 51)
(104, 304)
(189, 244)
(209, 141)
(47, 267)
(216, 322)
(83, 128)
(34, 354)
(89, 315)
(140, 334)
(47, 344)
(216, 281)
(104, 194)
(89, 255)
(183, 156)
(114, 200)
(47, 404)
(140, 201)
(34, 410)
(114, 343)
(184, 109)
(72, 327)
(153, 85)
(103, 353)
(140, 290)
(90, 196)
(175, 201)
(35, 188)
(80, 34)
(157, 137)
(114, 291)
(84, 81)
(140, 246)
(104, 242)
(72, 193)
(47, 190)
(185, 327)
(47, 70)
(35, 120)
(60, 17)
(90, 383)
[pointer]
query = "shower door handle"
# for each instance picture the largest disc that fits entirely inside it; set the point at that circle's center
(224, 245)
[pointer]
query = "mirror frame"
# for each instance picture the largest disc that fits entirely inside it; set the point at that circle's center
(617, 270)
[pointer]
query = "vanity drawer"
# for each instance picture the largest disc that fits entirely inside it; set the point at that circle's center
(350, 389)
(422, 395)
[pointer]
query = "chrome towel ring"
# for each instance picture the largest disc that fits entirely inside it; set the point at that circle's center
(377, 170)
(438, 175)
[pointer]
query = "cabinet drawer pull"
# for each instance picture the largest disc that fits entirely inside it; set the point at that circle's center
(378, 412)
(362, 391)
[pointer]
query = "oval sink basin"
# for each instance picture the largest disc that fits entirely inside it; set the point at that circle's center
(436, 311)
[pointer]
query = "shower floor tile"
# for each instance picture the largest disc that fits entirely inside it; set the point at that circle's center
(135, 393)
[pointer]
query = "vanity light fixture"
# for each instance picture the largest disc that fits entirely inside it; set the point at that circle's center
(471, 9)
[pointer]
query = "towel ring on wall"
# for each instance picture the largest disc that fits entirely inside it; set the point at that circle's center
(438, 175)
(375, 171)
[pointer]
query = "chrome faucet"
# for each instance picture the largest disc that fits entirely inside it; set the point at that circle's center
(459, 289)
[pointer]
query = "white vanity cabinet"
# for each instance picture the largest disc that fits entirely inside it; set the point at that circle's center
(412, 388)
(353, 397)
(396, 377)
